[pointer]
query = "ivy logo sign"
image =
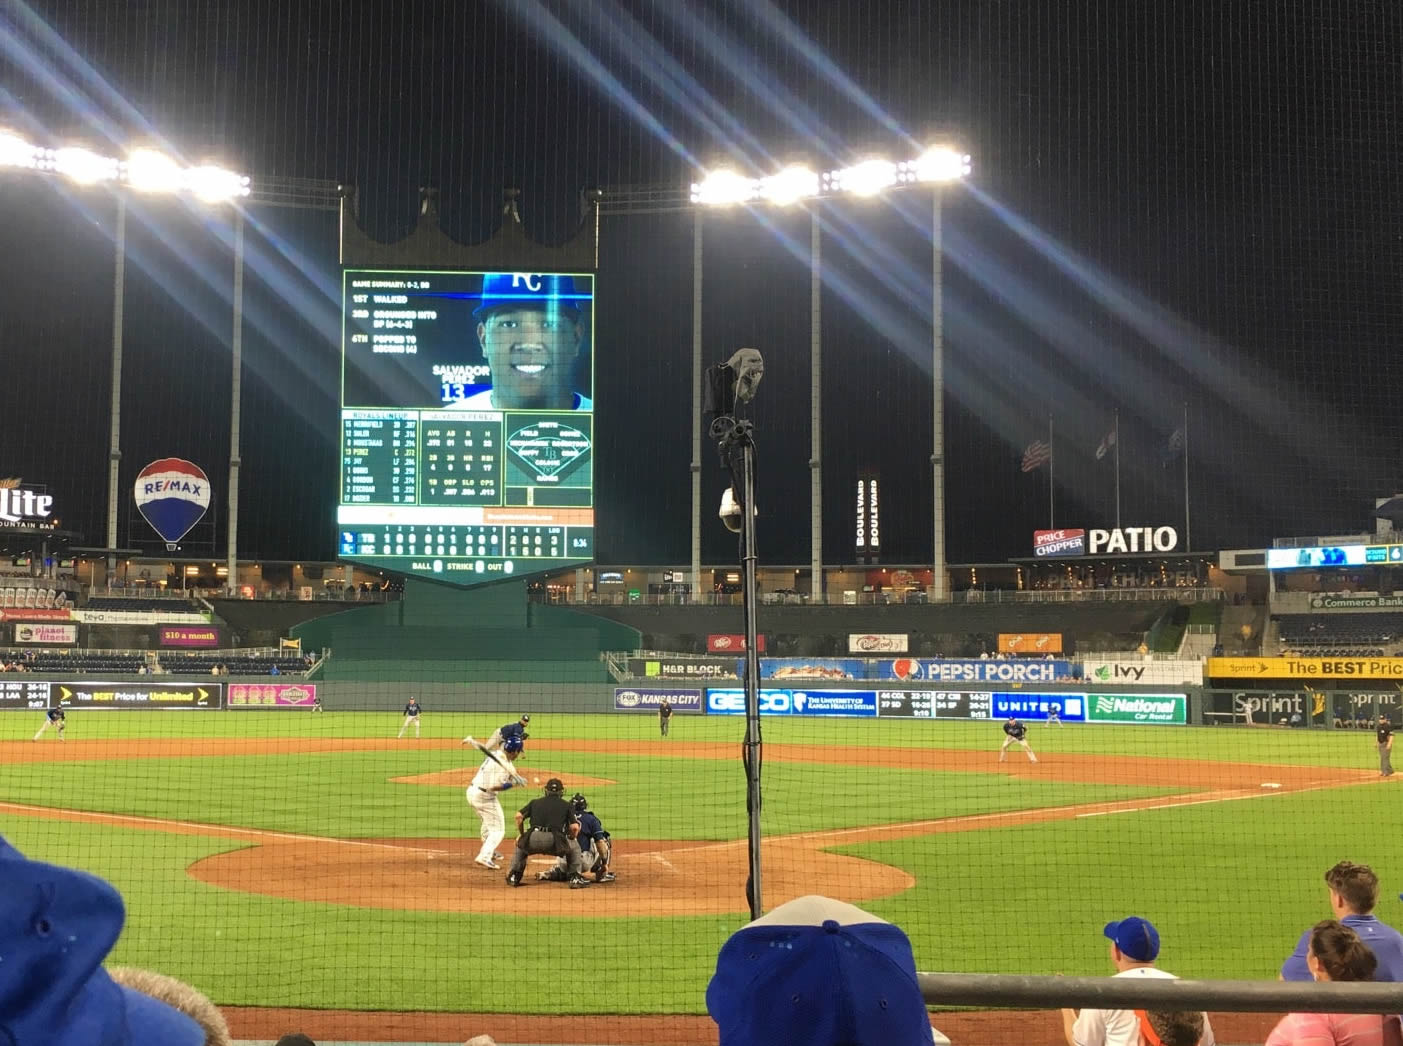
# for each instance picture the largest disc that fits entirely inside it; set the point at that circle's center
(1139, 708)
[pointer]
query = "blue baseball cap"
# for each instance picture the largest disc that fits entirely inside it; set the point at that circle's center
(56, 927)
(1136, 938)
(502, 290)
(820, 969)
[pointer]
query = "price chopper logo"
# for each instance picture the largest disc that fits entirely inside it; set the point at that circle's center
(17, 505)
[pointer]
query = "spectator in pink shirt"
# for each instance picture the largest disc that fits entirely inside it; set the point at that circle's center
(1336, 953)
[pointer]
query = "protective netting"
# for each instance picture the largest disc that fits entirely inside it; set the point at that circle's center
(1169, 299)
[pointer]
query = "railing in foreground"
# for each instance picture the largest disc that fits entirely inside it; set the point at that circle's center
(1011, 991)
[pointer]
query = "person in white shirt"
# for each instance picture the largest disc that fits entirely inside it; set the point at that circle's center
(1134, 949)
(493, 777)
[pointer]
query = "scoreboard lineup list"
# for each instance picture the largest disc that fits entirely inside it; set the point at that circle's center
(464, 495)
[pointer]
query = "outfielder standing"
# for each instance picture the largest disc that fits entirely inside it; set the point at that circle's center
(1016, 733)
(411, 715)
(493, 777)
(54, 717)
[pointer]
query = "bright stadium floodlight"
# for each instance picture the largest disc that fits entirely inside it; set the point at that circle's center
(790, 185)
(940, 164)
(16, 152)
(215, 184)
(148, 170)
(864, 179)
(84, 166)
(724, 188)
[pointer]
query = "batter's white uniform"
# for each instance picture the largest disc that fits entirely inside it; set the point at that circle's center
(482, 794)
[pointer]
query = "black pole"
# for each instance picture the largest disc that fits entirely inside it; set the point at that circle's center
(751, 754)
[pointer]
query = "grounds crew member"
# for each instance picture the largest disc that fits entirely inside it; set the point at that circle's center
(554, 827)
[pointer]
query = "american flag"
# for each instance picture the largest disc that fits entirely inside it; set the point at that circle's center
(1173, 448)
(1036, 455)
(1105, 446)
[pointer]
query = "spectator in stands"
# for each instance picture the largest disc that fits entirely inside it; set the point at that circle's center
(1134, 949)
(1171, 1028)
(295, 1039)
(56, 927)
(1354, 890)
(183, 997)
(274, 671)
(821, 967)
(1335, 953)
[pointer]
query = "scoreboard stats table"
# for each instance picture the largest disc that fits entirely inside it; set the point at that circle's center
(933, 704)
(467, 425)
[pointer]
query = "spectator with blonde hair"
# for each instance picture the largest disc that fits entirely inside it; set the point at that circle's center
(177, 994)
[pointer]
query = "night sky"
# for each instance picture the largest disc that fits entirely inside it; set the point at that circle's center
(1174, 206)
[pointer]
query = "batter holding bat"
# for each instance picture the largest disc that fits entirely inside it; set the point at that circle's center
(494, 776)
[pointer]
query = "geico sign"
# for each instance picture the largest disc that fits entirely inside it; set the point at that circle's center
(774, 702)
(1132, 539)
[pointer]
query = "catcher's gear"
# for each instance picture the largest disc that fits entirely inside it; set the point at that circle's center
(578, 803)
(512, 745)
(555, 786)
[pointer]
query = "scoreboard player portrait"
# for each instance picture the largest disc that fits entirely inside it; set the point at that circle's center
(531, 330)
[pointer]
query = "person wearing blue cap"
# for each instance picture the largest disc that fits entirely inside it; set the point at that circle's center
(56, 927)
(531, 330)
(819, 972)
(1134, 949)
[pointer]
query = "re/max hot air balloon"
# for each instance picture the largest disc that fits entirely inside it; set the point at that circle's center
(172, 494)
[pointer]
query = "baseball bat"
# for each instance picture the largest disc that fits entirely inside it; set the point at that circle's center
(483, 749)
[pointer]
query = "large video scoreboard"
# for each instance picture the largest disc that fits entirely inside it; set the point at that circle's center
(467, 423)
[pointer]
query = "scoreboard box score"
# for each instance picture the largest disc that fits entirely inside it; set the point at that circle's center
(451, 472)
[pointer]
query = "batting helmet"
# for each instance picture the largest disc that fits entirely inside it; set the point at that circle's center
(512, 745)
(555, 786)
(578, 803)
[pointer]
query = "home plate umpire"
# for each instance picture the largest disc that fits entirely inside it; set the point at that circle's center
(554, 827)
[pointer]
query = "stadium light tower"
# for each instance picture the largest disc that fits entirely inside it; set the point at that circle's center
(150, 172)
(936, 168)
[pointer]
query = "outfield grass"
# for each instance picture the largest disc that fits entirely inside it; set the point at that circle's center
(1230, 885)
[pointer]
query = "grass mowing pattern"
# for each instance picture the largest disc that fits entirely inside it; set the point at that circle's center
(1230, 885)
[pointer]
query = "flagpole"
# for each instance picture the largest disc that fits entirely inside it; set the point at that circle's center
(1188, 534)
(1051, 486)
(1117, 432)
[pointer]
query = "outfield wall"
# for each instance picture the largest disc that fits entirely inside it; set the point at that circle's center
(1076, 702)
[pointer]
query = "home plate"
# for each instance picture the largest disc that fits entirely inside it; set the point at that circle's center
(1270, 784)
